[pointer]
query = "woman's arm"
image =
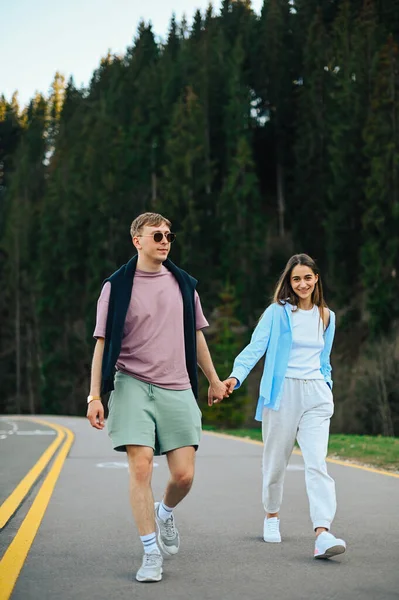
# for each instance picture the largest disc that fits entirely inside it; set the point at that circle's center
(328, 342)
(326, 317)
(253, 352)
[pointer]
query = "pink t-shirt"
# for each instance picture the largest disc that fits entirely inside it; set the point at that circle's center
(153, 337)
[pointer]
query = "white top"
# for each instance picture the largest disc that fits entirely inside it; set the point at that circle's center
(307, 344)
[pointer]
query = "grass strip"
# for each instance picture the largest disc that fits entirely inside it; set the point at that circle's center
(377, 451)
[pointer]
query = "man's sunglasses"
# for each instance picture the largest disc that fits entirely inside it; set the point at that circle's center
(158, 236)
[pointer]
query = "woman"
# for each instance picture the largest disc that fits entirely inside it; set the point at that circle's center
(295, 402)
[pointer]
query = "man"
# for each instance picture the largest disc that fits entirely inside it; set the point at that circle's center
(149, 322)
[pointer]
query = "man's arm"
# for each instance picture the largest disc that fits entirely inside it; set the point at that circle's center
(217, 389)
(95, 409)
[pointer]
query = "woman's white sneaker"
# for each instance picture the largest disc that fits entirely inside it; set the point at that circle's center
(271, 530)
(327, 545)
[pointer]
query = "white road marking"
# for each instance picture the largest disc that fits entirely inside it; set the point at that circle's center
(37, 432)
(4, 433)
(12, 424)
(112, 465)
(295, 468)
(116, 465)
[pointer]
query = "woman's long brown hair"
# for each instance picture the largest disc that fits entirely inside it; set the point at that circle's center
(284, 292)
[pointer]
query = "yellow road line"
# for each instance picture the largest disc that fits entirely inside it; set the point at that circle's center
(299, 453)
(10, 505)
(15, 556)
(343, 463)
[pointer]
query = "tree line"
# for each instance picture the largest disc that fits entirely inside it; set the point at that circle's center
(258, 136)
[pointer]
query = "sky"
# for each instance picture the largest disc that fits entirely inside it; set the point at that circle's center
(40, 37)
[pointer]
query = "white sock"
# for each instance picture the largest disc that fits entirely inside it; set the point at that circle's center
(149, 542)
(164, 511)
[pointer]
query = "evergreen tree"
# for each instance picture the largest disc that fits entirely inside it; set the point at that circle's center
(10, 133)
(258, 136)
(56, 99)
(274, 86)
(241, 230)
(380, 249)
(226, 340)
(345, 124)
(60, 273)
(184, 183)
(11, 130)
(389, 16)
(310, 145)
(143, 138)
(24, 197)
(237, 110)
(170, 71)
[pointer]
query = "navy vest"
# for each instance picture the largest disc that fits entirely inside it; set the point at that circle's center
(121, 291)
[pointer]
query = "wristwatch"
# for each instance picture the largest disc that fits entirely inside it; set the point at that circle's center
(91, 398)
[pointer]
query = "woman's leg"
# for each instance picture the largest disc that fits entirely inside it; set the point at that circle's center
(279, 430)
(313, 434)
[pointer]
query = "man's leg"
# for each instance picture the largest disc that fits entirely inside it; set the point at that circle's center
(178, 426)
(140, 460)
(181, 465)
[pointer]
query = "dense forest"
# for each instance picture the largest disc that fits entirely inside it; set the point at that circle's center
(258, 136)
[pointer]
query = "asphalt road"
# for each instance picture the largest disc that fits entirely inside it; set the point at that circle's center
(87, 546)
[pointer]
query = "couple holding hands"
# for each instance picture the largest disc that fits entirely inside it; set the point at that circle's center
(149, 343)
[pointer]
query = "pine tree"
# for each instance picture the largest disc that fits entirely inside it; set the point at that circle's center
(310, 146)
(184, 182)
(380, 249)
(11, 131)
(239, 206)
(56, 99)
(143, 136)
(241, 230)
(237, 110)
(258, 137)
(10, 134)
(61, 266)
(226, 340)
(389, 16)
(274, 86)
(170, 71)
(344, 187)
(24, 196)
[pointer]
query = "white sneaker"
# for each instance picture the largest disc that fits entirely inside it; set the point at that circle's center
(168, 536)
(271, 530)
(327, 545)
(151, 568)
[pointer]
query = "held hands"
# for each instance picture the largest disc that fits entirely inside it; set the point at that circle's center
(219, 390)
(95, 414)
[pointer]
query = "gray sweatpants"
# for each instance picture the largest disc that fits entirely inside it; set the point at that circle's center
(304, 414)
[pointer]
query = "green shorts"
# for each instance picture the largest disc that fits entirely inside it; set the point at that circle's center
(143, 414)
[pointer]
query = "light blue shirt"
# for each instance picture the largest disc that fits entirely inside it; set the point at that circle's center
(273, 335)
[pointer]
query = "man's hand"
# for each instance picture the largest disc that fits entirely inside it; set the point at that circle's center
(216, 392)
(95, 414)
(229, 385)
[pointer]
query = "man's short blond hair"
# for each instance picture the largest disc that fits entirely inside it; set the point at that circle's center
(148, 218)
